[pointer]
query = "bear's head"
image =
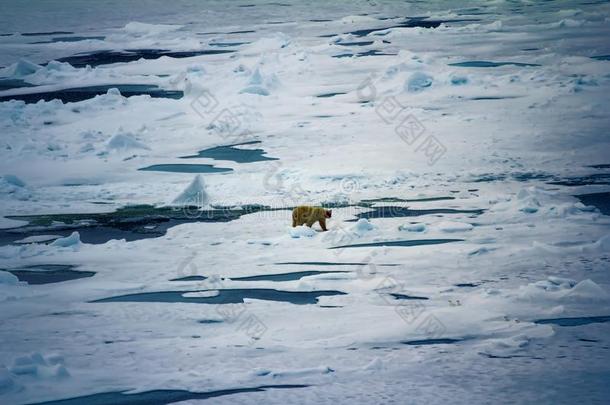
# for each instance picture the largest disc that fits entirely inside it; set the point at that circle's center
(328, 213)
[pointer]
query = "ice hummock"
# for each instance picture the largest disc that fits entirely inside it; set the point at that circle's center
(69, 241)
(19, 69)
(13, 187)
(125, 142)
(194, 194)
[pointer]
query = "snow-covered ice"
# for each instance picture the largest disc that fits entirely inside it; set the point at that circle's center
(302, 231)
(475, 124)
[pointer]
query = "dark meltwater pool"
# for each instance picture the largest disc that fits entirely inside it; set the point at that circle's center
(355, 43)
(94, 59)
(8, 84)
(77, 94)
(407, 297)
(577, 321)
(328, 95)
(400, 212)
(489, 64)
(423, 342)
(48, 273)
(159, 397)
(129, 223)
(41, 34)
(335, 264)
(601, 201)
(227, 44)
(232, 153)
(297, 275)
(145, 221)
(592, 179)
(68, 39)
(190, 278)
(400, 243)
(372, 52)
(226, 296)
(516, 176)
(467, 285)
(413, 22)
(185, 168)
(396, 199)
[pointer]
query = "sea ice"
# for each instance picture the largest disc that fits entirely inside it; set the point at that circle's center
(20, 69)
(70, 241)
(451, 226)
(194, 194)
(38, 366)
(363, 225)
(7, 278)
(125, 142)
(302, 231)
(420, 227)
(13, 186)
(37, 239)
(6, 380)
(418, 81)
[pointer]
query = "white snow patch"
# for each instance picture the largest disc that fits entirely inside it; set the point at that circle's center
(587, 289)
(375, 364)
(568, 23)
(7, 223)
(201, 294)
(37, 239)
(337, 199)
(54, 71)
(363, 225)
(302, 231)
(450, 226)
(601, 245)
(272, 43)
(555, 289)
(37, 365)
(260, 83)
(125, 142)
(138, 29)
(351, 19)
(413, 227)
(302, 372)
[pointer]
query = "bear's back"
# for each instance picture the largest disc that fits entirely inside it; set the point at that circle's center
(309, 211)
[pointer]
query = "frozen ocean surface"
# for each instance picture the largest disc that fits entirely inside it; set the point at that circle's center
(151, 153)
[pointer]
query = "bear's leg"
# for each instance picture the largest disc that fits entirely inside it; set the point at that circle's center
(295, 216)
(323, 224)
